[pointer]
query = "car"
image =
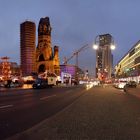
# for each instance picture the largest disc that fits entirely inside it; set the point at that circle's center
(96, 83)
(120, 84)
(132, 84)
(40, 83)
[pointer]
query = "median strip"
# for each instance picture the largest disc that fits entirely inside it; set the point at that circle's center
(5, 106)
(43, 98)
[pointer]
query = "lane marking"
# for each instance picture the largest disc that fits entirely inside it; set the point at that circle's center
(43, 98)
(6, 106)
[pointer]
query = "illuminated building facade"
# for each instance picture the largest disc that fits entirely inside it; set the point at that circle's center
(8, 69)
(15, 69)
(72, 69)
(129, 65)
(104, 57)
(46, 58)
(27, 47)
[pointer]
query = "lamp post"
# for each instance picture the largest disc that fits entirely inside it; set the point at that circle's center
(103, 45)
(97, 42)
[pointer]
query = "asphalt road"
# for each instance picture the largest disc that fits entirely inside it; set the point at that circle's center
(101, 113)
(21, 109)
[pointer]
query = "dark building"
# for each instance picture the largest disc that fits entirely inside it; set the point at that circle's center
(27, 47)
(104, 57)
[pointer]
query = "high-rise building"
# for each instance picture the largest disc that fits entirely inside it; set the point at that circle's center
(46, 58)
(104, 57)
(27, 47)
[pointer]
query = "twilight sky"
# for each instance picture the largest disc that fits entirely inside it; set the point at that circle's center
(74, 23)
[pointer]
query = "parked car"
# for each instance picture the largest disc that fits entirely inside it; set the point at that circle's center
(120, 84)
(131, 84)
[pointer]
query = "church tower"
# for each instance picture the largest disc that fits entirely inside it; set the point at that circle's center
(45, 59)
(56, 60)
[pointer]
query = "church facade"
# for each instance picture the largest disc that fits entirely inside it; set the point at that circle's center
(47, 58)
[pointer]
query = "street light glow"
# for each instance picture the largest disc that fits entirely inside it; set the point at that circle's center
(112, 47)
(95, 46)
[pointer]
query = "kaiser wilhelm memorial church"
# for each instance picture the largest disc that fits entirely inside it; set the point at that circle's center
(43, 57)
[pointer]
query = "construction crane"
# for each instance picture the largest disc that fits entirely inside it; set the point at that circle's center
(76, 53)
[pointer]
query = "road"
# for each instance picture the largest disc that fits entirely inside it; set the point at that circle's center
(102, 109)
(24, 108)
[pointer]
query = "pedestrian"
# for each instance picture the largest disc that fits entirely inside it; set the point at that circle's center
(125, 89)
(9, 83)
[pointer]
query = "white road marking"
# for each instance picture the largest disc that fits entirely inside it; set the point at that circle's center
(43, 98)
(5, 106)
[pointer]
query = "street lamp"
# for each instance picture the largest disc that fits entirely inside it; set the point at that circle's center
(95, 46)
(112, 47)
(97, 42)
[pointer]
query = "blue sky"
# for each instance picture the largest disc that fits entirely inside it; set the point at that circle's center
(74, 24)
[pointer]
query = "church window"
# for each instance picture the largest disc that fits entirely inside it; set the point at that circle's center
(41, 68)
(41, 58)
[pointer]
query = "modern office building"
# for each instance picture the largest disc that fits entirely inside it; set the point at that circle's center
(104, 57)
(46, 58)
(27, 47)
(129, 65)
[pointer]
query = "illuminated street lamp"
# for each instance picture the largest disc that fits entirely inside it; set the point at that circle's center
(97, 43)
(95, 46)
(112, 47)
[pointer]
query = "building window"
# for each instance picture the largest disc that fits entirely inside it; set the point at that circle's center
(132, 52)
